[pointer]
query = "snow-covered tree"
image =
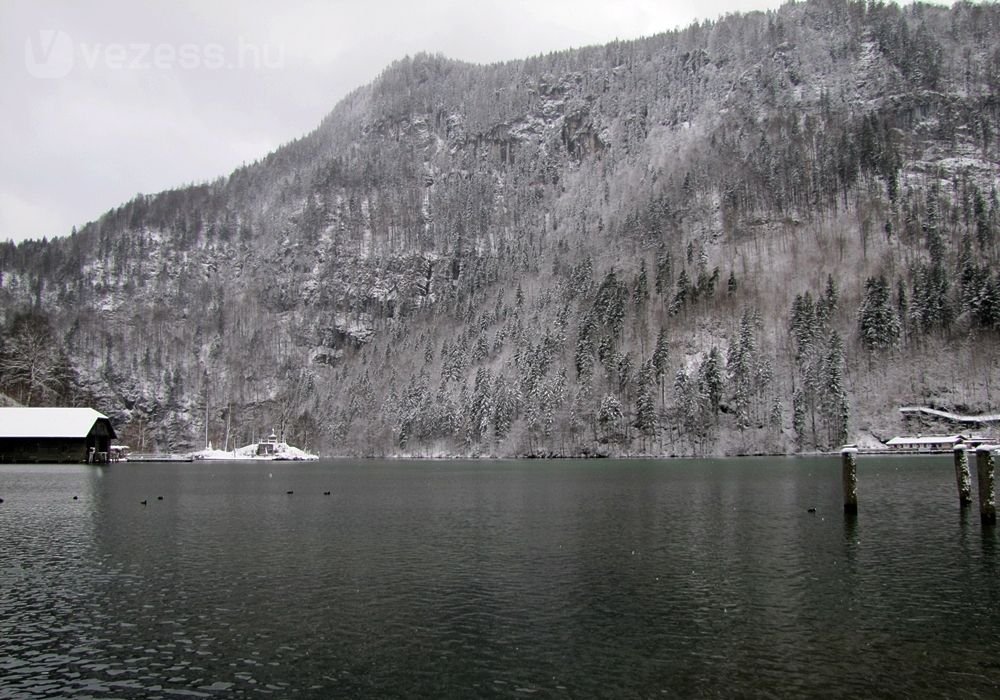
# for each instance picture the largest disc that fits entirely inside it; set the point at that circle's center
(878, 323)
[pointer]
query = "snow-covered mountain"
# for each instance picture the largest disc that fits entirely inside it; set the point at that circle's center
(763, 233)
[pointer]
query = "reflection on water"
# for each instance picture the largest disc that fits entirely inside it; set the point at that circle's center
(442, 579)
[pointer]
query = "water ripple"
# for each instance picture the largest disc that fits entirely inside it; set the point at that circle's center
(493, 579)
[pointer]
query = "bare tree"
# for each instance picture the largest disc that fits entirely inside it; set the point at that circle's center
(32, 367)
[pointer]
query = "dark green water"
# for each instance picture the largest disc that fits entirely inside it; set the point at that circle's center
(508, 579)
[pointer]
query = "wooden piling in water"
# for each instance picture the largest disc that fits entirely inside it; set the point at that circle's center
(984, 474)
(849, 477)
(962, 477)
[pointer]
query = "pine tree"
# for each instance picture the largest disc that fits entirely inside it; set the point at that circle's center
(609, 417)
(609, 305)
(689, 404)
(480, 409)
(661, 360)
(744, 371)
(799, 419)
(681, 296)
(826, 306)
(481, 350)
(806, 331)
(623, 365)
(804, 327)
(505, 402)
(583, 356)
(640, 291)
(664, 273)
(984, 229)
(645, 405)
(836, 410)
(968, 276)
(710, 376)
(877, 320)
(987, 305)
(776, 417)
(902, 308)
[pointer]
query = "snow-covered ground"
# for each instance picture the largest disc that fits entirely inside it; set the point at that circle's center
(282, 452)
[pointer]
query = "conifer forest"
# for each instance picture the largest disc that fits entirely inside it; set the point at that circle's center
(759, 234)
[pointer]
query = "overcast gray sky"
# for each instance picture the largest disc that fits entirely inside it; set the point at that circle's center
(107, 98)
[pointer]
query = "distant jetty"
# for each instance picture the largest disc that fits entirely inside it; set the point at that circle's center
(155, 457)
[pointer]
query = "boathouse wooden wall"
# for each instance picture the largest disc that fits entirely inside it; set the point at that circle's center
(57, 449)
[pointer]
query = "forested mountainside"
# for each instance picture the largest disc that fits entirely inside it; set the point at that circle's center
(759, 234)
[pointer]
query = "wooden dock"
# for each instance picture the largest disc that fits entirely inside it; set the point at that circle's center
(153, 457)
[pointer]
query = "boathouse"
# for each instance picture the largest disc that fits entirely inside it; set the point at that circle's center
(55, 435)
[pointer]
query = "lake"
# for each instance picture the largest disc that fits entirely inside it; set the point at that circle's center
(677, 578)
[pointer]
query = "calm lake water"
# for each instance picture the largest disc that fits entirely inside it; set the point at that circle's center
(507, 579)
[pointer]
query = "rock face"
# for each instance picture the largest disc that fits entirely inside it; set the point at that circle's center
(657, 246)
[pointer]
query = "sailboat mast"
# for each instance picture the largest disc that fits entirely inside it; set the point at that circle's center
(229, 418)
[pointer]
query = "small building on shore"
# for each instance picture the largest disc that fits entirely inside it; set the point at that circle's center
(933, 443)
(55, 435)
(268, 446)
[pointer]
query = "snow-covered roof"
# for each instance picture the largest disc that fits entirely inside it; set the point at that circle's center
(48, 422)
(926, 440)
